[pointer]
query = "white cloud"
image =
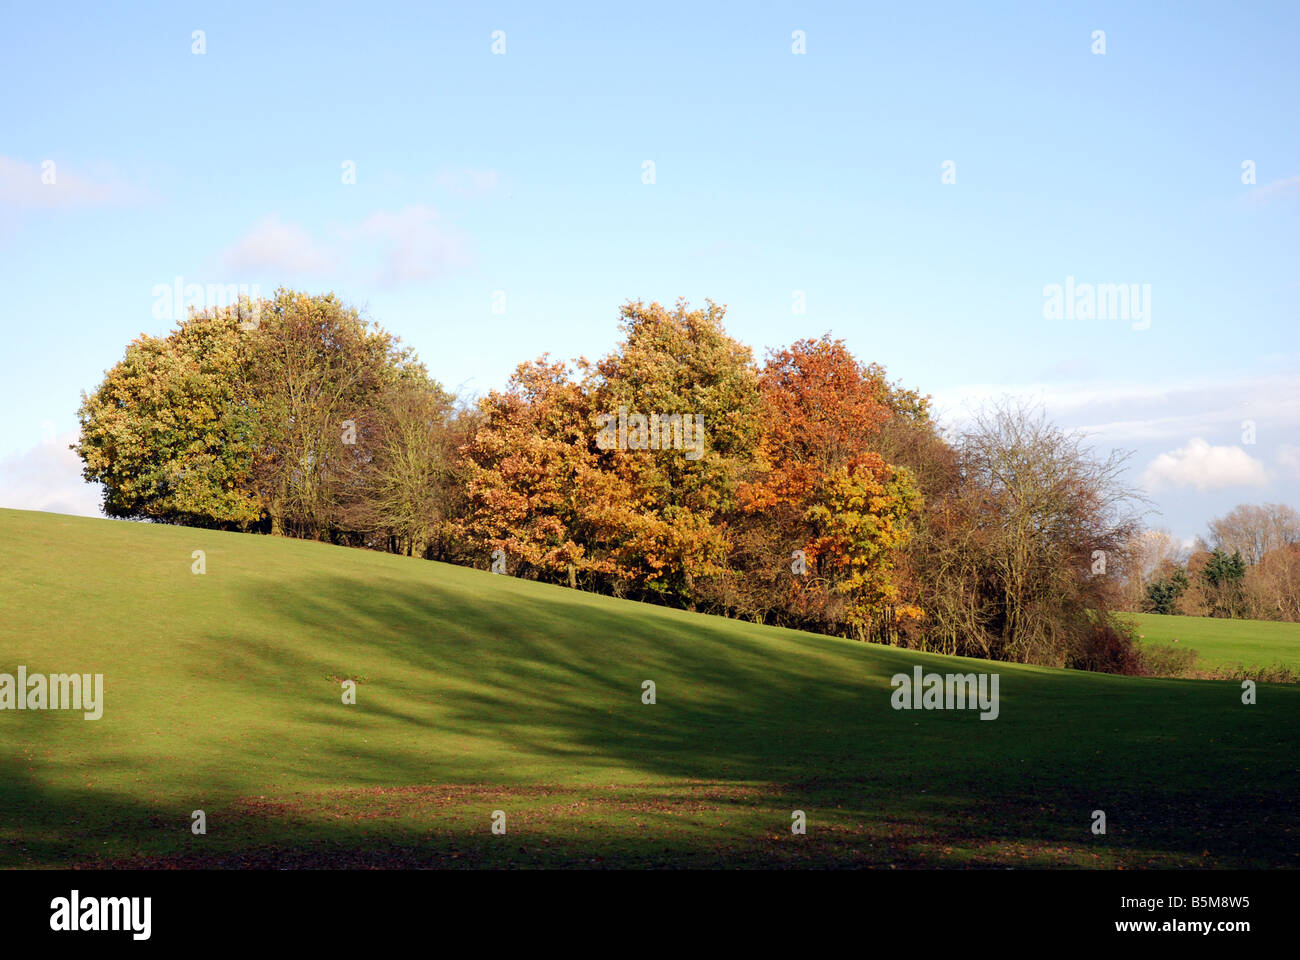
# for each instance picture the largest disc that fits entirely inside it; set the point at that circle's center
(1127, 413)
(403, 246)
(48, 477)
(415, 246)
(1204, 467)
(274, 246)
(1277, 190)
(22, 185)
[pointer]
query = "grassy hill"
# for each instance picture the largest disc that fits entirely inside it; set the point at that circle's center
(478, 693)
(1225, 643)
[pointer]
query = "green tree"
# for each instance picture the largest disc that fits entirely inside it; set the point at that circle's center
(404, 479)
(1163, 594)
(1223, 574)
(316, 371)
(168, 436)
(231, 423)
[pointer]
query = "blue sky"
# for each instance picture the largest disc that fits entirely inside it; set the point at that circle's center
(777, 176)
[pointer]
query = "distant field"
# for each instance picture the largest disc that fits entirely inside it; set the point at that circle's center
(1251, 643)
(479, 693)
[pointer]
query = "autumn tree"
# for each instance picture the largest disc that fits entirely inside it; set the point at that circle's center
(1255, 530)
(862, 518)
(536, 487)
(674, 363)
(821, 489)
(561, 480)
(1267, 539)
(1272, 586)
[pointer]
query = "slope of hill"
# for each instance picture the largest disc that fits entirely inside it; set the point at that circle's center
(478, 693)
(1225, 643)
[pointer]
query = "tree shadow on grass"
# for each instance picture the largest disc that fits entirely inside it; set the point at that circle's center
(545, 680)
(530, 696)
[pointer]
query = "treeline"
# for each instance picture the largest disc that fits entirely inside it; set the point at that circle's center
(1248, 568)
(806, 490)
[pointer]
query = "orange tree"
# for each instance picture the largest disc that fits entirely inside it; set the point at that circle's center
(555, 482)
(821, 488)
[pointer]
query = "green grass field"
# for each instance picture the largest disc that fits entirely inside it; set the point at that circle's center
(1225, 643)
(478, 693)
